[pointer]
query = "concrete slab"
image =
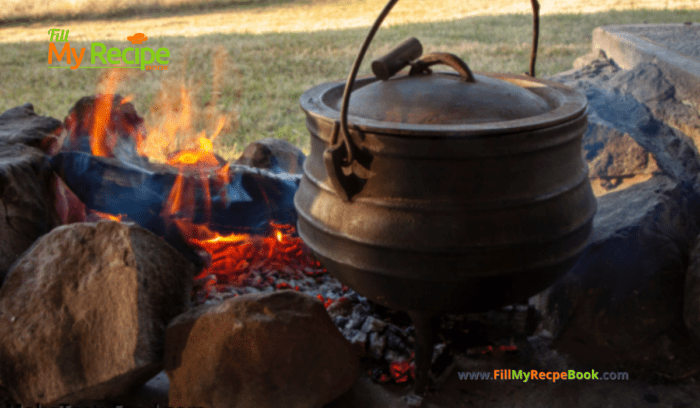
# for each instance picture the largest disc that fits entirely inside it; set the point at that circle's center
(674, 47)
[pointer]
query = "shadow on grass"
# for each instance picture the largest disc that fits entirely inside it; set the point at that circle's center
(147, 11)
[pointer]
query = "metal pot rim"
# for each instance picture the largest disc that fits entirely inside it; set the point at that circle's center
(566, 104)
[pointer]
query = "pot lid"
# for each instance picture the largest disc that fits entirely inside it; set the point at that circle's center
(443, 98)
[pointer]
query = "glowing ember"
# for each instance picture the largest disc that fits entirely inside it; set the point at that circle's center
(235, 256)
(498, 349)
(105, 216)
(401, 371)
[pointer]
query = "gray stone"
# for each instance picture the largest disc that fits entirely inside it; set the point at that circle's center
(623, 302)
(635, 102)
(626, 290)
(277, 349)
(672, 47)
(681, 38)
(588, 59)
(273, 154)
(26, 200)
(645, 82)
(83, 313)
(23, 125)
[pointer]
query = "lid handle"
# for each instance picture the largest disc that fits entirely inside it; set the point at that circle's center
(422, 65)
(393, 62)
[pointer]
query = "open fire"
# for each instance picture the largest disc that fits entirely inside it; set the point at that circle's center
(195, 193)
(109, 127)
(194, 189)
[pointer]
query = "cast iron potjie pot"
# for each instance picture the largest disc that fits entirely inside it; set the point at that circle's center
(444, 192)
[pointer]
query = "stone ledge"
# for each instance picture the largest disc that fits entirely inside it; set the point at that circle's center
(627, 47)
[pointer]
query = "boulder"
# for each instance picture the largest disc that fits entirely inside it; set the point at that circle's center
(83, 313)
(691, 294)
(639, 103)
(673, 151)
(625, 293)
(623, 302)
(23, 125)
(26, 200)
(277, 349)
(276, 155)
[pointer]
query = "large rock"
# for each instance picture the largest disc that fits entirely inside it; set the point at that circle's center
(638, 103)
(276, 155)
(278, 349)
(23, 125)
(691, 307)
(648, 84)
(622, 304)
(83, 313)
(26, 200)
(626, 291)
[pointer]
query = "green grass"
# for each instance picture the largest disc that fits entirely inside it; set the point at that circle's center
(267, 74)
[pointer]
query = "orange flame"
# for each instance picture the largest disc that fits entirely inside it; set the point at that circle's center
(233, 257)
(200, 156)
(101, 140)
(176, 117)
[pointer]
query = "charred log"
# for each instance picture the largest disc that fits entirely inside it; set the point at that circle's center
(247, 202)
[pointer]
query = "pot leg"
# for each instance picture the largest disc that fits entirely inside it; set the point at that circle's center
(423, 324)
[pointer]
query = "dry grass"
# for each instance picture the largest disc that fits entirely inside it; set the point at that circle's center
(288, 17)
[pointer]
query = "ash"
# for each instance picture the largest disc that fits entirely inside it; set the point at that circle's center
(384, 338)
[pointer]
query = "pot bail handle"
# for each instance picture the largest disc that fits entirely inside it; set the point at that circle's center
(343, 170)
(344, 176)
(422, 65)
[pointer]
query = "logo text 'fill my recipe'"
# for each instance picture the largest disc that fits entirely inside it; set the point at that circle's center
(130, 57)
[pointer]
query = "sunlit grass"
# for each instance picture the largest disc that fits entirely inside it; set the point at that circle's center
(267, 73)
(115, 19)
